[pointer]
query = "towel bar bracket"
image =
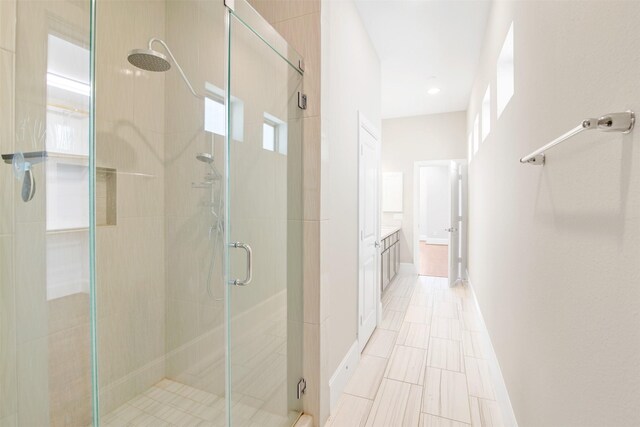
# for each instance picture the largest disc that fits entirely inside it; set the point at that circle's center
(536, 160)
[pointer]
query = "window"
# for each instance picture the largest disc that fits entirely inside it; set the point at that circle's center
(66, 170)
(486, 113)
(476, 135)
(505, 73)
(214, 115)
(274, 134)
(269, 136)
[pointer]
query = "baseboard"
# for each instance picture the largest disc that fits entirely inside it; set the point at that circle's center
(341, 376)
(305, 420)
(436, 241)
(502, 394)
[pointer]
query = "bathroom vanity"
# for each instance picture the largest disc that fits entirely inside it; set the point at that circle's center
(389, 254)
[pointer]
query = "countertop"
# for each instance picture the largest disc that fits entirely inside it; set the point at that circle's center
(387, 231)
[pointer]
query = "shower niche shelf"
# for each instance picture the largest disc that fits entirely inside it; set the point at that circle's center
(106, 196)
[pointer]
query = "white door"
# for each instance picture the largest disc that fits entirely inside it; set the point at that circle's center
(369, 228)
(454, 228)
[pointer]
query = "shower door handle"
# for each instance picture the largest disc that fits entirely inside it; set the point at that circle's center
(249, 272)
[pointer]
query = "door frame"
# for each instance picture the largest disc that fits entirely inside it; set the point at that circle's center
(365, 125)
(416, 209)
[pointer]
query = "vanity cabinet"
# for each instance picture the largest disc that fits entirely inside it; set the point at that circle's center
(390, 258)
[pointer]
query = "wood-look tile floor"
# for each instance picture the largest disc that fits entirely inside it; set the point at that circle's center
(424, 366)
(434, 260)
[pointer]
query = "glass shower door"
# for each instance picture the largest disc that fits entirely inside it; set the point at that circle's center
(264, 226)
(45, 356)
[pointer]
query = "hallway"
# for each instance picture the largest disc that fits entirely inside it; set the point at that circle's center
(425, 365)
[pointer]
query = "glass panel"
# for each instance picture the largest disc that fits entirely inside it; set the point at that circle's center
(244, 12)
(265, 212)
(486, 113)
(505, 74)
(161, 324)
(45, 371)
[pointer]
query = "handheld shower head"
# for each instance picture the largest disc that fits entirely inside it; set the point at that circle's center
(152, 60)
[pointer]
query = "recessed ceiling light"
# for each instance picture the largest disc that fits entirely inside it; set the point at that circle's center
(433, 91)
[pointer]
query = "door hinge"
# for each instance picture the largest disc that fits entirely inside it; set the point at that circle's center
(302, 101)
(230, 4)
(302, 387)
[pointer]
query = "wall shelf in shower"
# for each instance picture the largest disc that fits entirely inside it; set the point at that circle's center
(32, 156)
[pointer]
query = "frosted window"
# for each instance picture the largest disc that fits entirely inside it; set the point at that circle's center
(274, 134)
(268, 136)
(214, 116)
(214, 113)
(476, 135)
(486, 113)
(505, 73)
(66, 135)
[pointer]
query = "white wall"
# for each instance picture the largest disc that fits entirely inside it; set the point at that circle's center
(411, 139)
(350, 83)
(554, 250)
(434, 204)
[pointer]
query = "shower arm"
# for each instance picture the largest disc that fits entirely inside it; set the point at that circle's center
(173, 58)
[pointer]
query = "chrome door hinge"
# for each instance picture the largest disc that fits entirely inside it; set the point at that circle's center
(302, 101)
(230, 4)
(301, 65)
(302, 387)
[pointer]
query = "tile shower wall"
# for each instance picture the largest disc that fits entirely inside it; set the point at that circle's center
(130, 256)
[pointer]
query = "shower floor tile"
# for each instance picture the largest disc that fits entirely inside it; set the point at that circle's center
(170, 403)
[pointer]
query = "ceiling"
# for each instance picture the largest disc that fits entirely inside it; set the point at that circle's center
(423, 44)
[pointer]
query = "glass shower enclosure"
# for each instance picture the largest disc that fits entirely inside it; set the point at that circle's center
(150, 215)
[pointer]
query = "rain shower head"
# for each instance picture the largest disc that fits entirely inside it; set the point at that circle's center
(205, 157)
(149, 60)
(152, 60)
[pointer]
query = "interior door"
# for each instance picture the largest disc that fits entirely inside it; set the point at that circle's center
(264, 227)
(454, 228)
(369, 258)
